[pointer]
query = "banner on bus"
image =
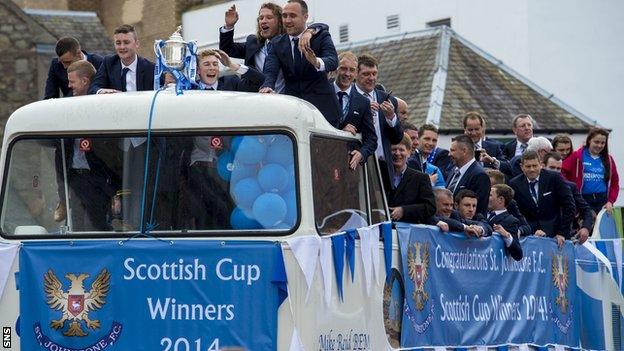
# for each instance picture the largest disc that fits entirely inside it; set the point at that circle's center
(150, 295)
(469, 292)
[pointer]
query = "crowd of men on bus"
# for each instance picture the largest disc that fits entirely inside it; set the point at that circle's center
(529, 186)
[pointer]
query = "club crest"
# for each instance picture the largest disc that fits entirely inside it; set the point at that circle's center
(76, 303)
(560, 280)
(418, 270)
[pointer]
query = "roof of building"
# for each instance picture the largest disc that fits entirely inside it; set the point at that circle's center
(442, 76)
(82, 25)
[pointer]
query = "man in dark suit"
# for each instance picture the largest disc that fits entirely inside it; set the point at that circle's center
(544, 199)
(92, 181)
(431, 153)
(410, 197)
(502, 221)
(488, 151)
(446, 217)
(522, 127)
(124, 71)
(256, 46)
(355, 112)
(466, 212)
(497, 177)
(468, 173)
(305, 73)
(384, 110)
(552, 161)
(68, 51)
(415, 160)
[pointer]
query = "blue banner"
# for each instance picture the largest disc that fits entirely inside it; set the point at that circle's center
(150, 295)
(468, 292)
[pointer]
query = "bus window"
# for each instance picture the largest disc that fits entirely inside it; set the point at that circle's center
(339, 192)
(191, 184)
(378, 212)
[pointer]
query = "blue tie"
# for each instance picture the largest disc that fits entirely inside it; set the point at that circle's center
(296, 55)
(532, 189)
(124, 73)
(341, 96)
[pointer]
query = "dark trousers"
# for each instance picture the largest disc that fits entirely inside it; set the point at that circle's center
(94, 195)
(596, 201)
(209, 198)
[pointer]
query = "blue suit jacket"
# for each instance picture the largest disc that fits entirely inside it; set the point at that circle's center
(359, 115)
(555, 208)
(305, 82)
(57, 76)
(509, 150)
(511, 224)
(250, 81)
(478, 181)
(109, 75)
(251, 46)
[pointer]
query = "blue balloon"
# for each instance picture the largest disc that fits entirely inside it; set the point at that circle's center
(225, 165)
(273, 178)
(251, 150)
(245, 192)
(242, 171)
(291, 208)
(290, 170)
(280, 151)
(234, 143)
(269, 209)
(239, 219)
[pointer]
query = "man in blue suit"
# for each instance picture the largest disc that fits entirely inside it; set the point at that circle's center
(68, 51)
(124, 71)
(256, 46)
(355, 114)
(384, 108)
(502, 221)
(305, 73)
(468, 173)
(544, 199)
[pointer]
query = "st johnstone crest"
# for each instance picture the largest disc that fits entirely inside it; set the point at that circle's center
(560, 280)
(76, 303)
(418, 270)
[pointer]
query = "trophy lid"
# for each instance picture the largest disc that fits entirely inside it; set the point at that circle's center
(176, 37)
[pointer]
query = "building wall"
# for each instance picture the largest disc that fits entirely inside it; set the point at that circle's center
(18, 64)
(43, 4)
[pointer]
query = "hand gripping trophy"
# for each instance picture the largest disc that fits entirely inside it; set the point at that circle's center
(177, 57)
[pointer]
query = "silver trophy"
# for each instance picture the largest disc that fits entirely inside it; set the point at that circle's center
(174, 50)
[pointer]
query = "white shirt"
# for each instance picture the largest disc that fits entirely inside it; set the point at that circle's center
(518, 147)
(131, 82)
(372, 97)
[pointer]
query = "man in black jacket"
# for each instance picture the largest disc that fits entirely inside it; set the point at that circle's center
(502, 221)
(256, 46)
(468, 173)
(68, 51)
(410, 196)
(125, 70)
(544, 199)
(584, 217)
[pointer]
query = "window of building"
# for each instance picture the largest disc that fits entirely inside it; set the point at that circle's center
(439, 23)
(392, 22)
(339, 192)
(344, 33)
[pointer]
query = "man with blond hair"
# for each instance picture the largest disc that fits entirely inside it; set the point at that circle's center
(355, 112)
(79, 76)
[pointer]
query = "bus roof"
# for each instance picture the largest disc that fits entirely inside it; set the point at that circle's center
(194, 110)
